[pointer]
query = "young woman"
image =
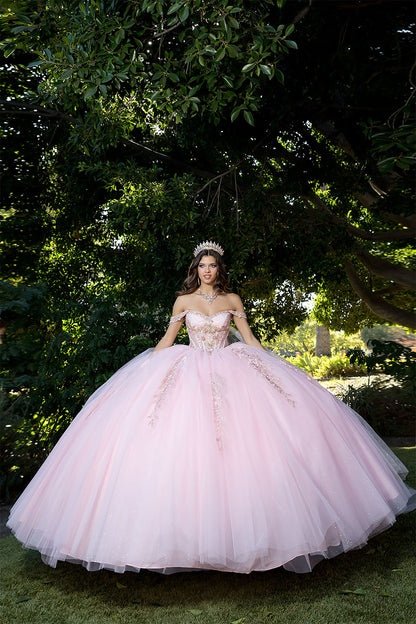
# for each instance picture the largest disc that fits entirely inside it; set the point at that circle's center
(210, 456)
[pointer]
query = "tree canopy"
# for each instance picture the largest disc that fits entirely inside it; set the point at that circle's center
(281, 128)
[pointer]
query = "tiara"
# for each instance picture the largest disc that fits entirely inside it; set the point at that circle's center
(208, 245)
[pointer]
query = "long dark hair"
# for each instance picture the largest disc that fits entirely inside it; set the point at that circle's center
(192, 282)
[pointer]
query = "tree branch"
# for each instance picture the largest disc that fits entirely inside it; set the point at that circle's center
(335, 136)
(408, 221)
(168, 159)
(377, 304)
(387, 270)
(384, 235)
(162, 33)
(36, 110)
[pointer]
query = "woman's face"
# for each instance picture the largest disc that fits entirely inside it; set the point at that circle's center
(208, 270)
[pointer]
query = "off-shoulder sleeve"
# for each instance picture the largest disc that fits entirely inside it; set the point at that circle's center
(177, 317)
(239, 314)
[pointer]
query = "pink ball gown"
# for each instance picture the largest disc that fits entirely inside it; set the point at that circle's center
(210, 456)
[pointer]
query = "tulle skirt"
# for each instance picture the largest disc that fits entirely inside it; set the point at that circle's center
(233, 460)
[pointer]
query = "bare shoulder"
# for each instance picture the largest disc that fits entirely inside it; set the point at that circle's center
(181, 304)
(235, 302)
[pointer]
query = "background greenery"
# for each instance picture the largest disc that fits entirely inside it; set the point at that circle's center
(133, 130)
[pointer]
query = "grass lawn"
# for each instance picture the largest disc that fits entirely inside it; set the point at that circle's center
(384, 573)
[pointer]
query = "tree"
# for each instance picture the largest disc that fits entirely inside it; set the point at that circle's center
(132, 130)
(316, 172)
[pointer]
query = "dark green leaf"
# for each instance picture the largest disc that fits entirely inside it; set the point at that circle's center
(184, 14)
(235, 113)
(248, 116)
(174, 8)
(291, 44)
(220, 55)
(280, 76)
(90, 91)
(266, 70)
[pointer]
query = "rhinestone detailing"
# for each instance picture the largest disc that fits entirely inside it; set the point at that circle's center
(209, 298)
(161, 395)
(208, 245)
(238, 314)
(257, 363)
(177, 317)
(181, 315)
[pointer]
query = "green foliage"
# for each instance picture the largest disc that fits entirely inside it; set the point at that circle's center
(325, 366)
(387, 407)
(307, 362)
(338, 366)
(390, 358)
(169, 59)
(131, 84)
(395, 145)
(337, 306)
(119, 154)
(51, 362)
(387, 332)
(302, 339)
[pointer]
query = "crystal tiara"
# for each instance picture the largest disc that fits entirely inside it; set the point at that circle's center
(208, 245)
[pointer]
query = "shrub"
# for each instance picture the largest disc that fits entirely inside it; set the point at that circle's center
(324, 366)
(388, 408)
(338, 366)
(390, 358)
(308, 363)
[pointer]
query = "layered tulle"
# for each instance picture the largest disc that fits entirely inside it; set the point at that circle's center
(230, 459)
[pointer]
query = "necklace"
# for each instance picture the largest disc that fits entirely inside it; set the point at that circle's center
(209, 298)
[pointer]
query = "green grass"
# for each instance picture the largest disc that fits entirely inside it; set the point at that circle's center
(385, 570)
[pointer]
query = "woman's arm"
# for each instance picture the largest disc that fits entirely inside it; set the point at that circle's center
(242, 325)
(172, 331)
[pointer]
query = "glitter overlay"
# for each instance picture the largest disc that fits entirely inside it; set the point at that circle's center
(256, 362)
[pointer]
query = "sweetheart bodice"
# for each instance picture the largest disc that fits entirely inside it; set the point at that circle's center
(208, 333)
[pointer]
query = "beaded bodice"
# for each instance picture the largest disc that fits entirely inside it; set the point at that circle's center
(208, 333)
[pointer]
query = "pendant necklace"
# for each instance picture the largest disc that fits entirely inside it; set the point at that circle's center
(209, 298)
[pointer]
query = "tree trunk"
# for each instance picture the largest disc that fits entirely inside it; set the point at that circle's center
(322, 340)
